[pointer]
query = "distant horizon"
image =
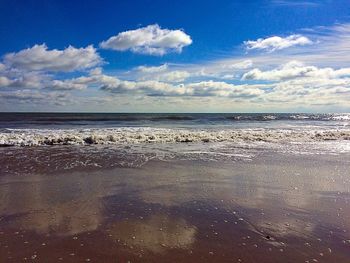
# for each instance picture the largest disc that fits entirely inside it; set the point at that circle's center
(83, 112)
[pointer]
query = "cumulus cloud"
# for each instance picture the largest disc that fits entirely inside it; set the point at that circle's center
(150, 87)
(2, 67)
(37, 80)
(30, 96)
(40, 58)
(65, 85)
(4, 81)
(295, 83)
(115, 85)
(223, 89)
(150, 40)
(244, 64)
(28, 80)
(160, 73)
(174, 76)
(289, 91)
(295, 69)
(195, 89)
(154, 69)
(305, 91)
(277, 43)
(23, 95)
(223, 70)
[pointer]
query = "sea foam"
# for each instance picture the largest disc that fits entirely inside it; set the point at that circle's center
(36, 137)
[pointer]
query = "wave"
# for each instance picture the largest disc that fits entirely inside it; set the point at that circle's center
(110, 118)
(290, 117)
(36, 137)
(173, 118)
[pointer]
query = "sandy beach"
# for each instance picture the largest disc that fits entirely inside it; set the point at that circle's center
(275, 208)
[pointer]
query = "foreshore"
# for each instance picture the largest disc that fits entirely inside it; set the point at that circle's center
(272, 208)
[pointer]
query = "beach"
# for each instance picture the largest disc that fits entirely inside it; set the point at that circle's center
(278, 196)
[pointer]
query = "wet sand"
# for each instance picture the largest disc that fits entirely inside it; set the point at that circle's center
(275, 208)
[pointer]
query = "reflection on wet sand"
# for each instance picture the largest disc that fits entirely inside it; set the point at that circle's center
(157, 233)
(50, 205)
(277, 208)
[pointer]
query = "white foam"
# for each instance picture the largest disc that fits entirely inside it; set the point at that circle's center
(341, 118)
(34, 137)
(299, 117)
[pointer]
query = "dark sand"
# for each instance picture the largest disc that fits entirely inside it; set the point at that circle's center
(276, 208)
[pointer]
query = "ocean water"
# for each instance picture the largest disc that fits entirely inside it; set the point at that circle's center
(26, 129)
(71, 140)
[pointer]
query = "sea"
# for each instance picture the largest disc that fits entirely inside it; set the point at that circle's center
(130, 139)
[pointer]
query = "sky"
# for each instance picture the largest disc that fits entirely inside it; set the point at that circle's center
(175, 56)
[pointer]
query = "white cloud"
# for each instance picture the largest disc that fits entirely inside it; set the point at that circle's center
(95, 71)
(4, 81)
(151, 40)
(296, 3)
(65, 85)
(277, 43)
(30, 96)
(37, 80)
(39, 58)
(292, 83)
(244, 64)
(23, 80)
(223, 89)
(308, 92)
(156, 69)
(195, 89)
(159, 73)
(295, 69)
(221, 69)
(2, 67)
(174, 76)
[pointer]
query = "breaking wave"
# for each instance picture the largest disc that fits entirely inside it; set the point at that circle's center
(113, 118)
(105, 136)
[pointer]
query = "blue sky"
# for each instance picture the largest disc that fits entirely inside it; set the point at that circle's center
(172, 56)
